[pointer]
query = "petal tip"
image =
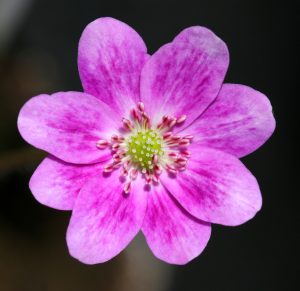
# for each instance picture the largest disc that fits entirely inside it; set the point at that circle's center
(206, 39)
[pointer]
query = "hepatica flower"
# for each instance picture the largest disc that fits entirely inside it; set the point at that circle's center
(152, 144)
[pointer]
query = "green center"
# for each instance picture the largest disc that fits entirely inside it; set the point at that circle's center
(142, 146)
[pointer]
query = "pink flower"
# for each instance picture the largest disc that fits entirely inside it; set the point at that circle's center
(152, 144)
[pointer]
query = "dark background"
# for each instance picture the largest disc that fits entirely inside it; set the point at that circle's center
(38, 50)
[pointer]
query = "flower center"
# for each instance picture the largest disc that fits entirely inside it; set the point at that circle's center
(142, 146)
(147, 149)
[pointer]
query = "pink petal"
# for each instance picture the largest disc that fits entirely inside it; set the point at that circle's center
(68, 125)
(110, 59)
(105, 219)
(216, 187)
(173, 235)
(185, 76)
(57, 184)
(238, 122)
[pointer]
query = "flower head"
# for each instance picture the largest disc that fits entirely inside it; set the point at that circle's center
(152, 144)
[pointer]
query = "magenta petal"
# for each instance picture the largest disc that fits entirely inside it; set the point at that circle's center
(110, 59)
(68, 125)
(173, 235)
(216, 187)
(104, 219)
(57, 184)
(238, 122)
(185, 76)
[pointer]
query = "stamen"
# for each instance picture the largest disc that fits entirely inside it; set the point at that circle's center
(141, 106)
(127, 187)
(133, 174)
(175, 137)
(146, 120)
(181, 161)
(185, 153)
(145, 149)
(121, 153)
(135, 115)
(108, 168)
(114, 138)
(127, 123)
(158, 170)
(184, 142)
(126, 164)
(181, 119)
(172, 122)
(171, 169)
(148, 178)
(102, 144)
(163, 124)
(165, 118)
(124, 171)
(167, 134)
(116, 158)
(155, 179)
(173, 155)
(190, 137)
(115, 147)
(117, 165)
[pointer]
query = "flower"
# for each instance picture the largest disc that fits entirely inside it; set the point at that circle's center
(152, 144)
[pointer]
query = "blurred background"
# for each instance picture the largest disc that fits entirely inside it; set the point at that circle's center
(38, 51)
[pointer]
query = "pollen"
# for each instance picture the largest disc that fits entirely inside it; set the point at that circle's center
(141, 146)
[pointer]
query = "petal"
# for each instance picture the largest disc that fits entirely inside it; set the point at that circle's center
(185, 76)
(110, 59)
(104, 219)
(216, 187)
(67, 125)
(238, 122)
(173, 235)
(57, 184)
